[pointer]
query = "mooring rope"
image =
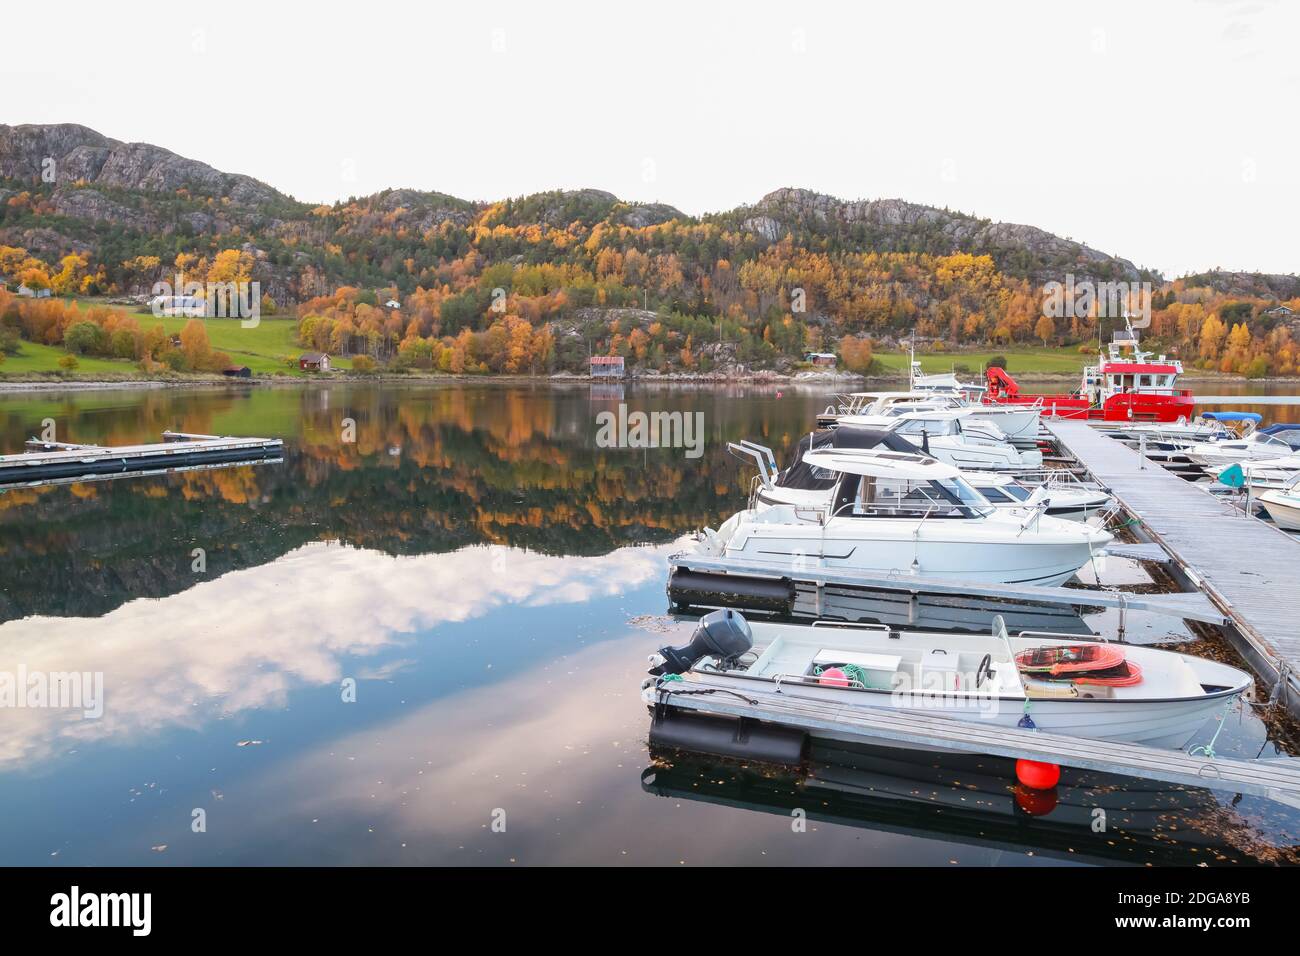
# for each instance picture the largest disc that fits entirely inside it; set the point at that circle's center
(1208, 749)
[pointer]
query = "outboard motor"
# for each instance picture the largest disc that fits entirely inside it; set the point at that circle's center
(724, 634)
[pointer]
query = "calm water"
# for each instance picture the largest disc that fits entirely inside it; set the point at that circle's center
(492, 581)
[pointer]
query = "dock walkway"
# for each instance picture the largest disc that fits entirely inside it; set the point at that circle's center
(47, 462)
(1247, 567)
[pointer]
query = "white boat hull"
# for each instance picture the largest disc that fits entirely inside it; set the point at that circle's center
(975, 551)
(1284, 509)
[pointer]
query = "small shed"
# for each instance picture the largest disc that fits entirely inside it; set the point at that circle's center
(607, 366)
(314, 362)
(820, 359)
(237, 371)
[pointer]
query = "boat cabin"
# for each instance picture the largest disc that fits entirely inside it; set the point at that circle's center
(879, 483)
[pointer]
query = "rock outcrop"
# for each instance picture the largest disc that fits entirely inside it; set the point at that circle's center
(785, 209)
(78, 154)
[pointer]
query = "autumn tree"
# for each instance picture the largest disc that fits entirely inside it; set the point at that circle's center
(1045, 328)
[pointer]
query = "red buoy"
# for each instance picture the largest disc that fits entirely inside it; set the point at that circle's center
(1036, 803)
(835, 677)
(1040, 776)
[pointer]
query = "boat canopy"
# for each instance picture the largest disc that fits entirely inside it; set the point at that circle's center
(801, 475)
(944, 415)
(896, 396)
(1233, 416)
(877, 463)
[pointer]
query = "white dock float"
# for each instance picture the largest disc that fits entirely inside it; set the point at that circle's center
(1248, 568)
(1277, 779)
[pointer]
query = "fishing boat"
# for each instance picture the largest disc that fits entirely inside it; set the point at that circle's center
(888, 511)
(946, 435)
(1127, 384)
(801, 485)
(1283, 504)
(1058, 684)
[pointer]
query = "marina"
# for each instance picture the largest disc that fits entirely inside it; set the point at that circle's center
(836, 482)
(559, 581)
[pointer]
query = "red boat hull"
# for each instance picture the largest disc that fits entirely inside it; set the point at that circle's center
(1134, 407)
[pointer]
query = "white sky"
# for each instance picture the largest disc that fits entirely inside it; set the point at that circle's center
(1164, 132)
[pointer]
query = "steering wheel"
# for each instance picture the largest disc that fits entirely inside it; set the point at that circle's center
(984, 670)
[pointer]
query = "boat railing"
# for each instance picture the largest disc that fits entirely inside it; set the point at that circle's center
(862, 625)
(814, 680)
(1031, 520)
(1061, 635)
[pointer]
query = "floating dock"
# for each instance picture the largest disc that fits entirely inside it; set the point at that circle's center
(1276, 779)
(823, 592)
(1249, 569)
(45, 462)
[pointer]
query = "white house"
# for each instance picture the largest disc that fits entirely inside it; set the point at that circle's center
(173, 305)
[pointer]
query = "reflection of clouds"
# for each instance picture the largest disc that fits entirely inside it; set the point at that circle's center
(246, 638)
(560, 750)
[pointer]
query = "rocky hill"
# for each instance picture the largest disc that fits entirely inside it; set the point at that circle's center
(893, 225)
(104, 196)
(70, 154)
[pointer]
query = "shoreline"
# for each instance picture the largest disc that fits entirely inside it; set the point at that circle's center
(827, 380)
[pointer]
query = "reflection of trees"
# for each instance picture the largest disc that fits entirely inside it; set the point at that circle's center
(431, 470)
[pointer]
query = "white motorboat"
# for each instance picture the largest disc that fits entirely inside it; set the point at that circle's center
(1210, 427)
(943, 434)
(888, 511)
(1059, 684)
(1263, 473)
(1065, 496)
(1283, 504)
(801, 485)
(1017, 424)
(1258, 446)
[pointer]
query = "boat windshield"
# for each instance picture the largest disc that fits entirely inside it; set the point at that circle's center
(1008, 492)
(933, 427)
(896, 497)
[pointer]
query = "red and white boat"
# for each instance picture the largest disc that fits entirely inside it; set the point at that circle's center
(1127, 384)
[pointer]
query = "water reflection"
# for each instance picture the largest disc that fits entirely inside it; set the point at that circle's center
(244, 640)
(974, 802)
(479, 566)
(430, 471)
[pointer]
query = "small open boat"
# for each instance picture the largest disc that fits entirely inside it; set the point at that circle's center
(1059, 684)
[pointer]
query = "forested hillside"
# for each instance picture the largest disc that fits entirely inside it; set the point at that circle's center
(535, 284)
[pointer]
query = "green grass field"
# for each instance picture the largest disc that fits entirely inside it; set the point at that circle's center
(260, 348)
(32, 358)
(1066, 360)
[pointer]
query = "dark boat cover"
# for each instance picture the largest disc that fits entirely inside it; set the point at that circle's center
(799, 474)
